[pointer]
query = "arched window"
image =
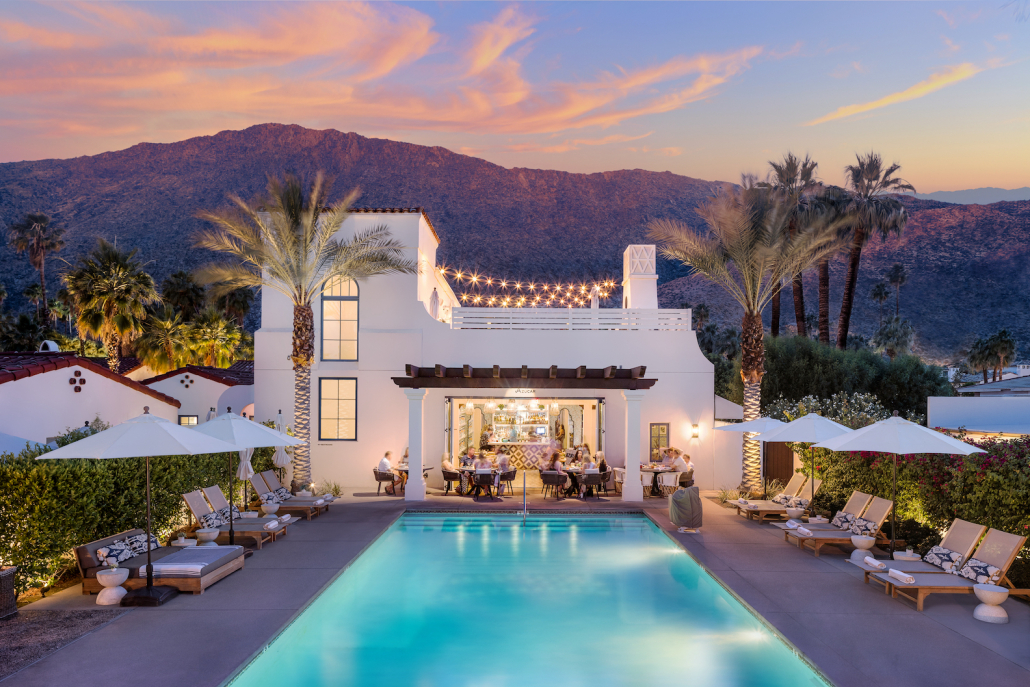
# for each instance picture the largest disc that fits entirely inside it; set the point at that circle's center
(340, 320)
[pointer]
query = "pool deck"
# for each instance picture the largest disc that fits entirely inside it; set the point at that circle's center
(853, 632)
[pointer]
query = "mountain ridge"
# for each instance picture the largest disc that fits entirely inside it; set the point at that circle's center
(978, 196)
(517, 222)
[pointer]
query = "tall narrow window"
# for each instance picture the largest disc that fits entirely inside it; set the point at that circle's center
(340, 320)
(659, 437)
(338, 409)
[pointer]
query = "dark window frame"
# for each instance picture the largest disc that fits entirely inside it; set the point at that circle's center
(195, 417)
(338, 379)
(357, 324)
(651, 436)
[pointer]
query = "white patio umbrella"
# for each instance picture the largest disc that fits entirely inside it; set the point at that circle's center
(434, 305)
(143, 437)
(758, 425)
(246, 434)
(12, 444)
(807, 429)
(899, 437)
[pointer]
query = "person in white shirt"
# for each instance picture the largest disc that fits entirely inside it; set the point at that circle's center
(385, 466)
(682, 464)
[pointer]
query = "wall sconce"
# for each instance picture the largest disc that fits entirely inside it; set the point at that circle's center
(695, 431)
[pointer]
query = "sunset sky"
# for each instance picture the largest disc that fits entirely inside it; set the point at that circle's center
(708, 90)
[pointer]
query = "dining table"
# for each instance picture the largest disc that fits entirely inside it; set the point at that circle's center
(656, 470)
(404, 469)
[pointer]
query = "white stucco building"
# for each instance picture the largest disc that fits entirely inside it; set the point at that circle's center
(44, 395)
(389, 375)
(200, 388)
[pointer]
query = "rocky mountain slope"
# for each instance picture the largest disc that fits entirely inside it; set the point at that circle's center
(968, 264)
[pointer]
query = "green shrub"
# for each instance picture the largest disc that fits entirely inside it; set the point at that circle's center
(51, 506)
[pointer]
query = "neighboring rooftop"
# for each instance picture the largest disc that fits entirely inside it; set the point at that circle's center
(1019, 385)
(15, 366)
(125, 365)
(239, 373)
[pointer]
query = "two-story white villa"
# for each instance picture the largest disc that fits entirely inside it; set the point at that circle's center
(388, 375)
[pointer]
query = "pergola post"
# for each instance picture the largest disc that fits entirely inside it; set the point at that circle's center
(632, 490)
(415, 490)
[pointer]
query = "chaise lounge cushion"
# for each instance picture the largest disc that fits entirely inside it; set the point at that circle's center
(138, 543)
(211, 520)
(283, 494)
(268, 497)
(134, 564)
(117, 551)
(865, 527)
(842, 520)
(943, 558)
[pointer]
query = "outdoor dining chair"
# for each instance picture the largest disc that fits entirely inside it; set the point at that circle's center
(552, 481)
(449, 477)
(669, 482)
(509, 479)
(592, 481)
(620, 477)
(483, 479)
(388, 477)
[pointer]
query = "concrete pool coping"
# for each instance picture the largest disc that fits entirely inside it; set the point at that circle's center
(853, 633)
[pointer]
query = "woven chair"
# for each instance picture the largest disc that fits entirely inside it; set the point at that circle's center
(483, 480)
(592, 479)
(509, 479)
(606, 477)
(451, 476)
(553, 482)
(620, 477)
(384, 477)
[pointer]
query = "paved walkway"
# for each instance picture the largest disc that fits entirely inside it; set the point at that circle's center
(857, 635)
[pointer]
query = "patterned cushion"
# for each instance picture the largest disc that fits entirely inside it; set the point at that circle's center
(842, 520)
(943, 558)
(211, 520)
(980, 572)
(283, 494)
(781, 499)
(863, 526)
(797, 502)
(269, 497)
(116, 551)
(223, 513)
(138, 544)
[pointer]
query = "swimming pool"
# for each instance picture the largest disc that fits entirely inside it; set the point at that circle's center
(449, 599)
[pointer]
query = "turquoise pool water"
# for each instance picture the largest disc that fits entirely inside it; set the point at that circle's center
(453, 600)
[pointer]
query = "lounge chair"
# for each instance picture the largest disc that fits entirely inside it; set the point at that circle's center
(248, 531)
(875, 515)
(769, 509)
(218, 502)
(960, 539)
(998, 549)
(262, 494)
(855, 506)
(230, 560)
(272, 482)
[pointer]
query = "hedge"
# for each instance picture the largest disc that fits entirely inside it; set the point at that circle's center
(51, 506)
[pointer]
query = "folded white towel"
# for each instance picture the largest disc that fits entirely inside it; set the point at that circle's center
(873, 563)
(272, 525)
(901, 577)
(285, 518)
(744, 501)
(793, 524)
(804, 531)
(319, 502)
(328, 497)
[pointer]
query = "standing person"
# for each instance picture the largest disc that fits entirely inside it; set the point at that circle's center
(386, 466)
(484, 438)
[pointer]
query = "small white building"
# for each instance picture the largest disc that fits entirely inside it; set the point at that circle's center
(200, 389)
(44, 395)
(389, 375)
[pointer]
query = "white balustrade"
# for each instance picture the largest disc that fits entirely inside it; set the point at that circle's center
(612, 319)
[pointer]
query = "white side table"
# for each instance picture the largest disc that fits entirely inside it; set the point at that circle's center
(184, 542)
(111, 579)
(905, 556)
(206, 536)
(862, 545)
(992, 597)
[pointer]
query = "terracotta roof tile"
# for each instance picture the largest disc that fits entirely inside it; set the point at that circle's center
(240, 373)
(15, 366)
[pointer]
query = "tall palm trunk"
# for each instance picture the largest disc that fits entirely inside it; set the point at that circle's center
(45, 315)
(824, 301)
(799, 305)
(850, 282)
(303, 354)
(752, 368)
(774, 324)
(897, 302)
(114, 357)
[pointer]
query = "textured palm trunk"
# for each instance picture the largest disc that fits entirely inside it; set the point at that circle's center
(897, 302)
(44, 318)
(303, 354)
(844, 321)
(824, 301)
(799, 305)
(774, 324)
(752, 368)
(113, 354)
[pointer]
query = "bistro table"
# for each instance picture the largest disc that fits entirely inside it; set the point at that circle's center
(404, 469)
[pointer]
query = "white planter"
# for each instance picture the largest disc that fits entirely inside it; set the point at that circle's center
(269, 508)
(206, 536)
(795, 513)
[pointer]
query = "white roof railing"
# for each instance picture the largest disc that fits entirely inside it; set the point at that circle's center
(605, 319)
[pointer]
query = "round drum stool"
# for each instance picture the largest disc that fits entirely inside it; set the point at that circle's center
(991, 597)
(113, 591)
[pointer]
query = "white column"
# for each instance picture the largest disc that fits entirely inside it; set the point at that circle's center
(631, 488)
(416, 487)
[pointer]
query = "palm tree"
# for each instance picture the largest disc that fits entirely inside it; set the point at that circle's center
(34, 294)
(163, 345)
(894, 337)
(236, 304)
(291, 248)
(701, 315)
(981, 358)
(880, 293)
(1003, 349)
(873, 209)
(749, 249)
(37, 236)
(213, 340)
(896, 277)
(181, 291)
(59, 311)
(111, 292)
(796, 179)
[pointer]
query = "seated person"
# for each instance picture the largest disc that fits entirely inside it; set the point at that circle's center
(484, 463)
(682, 464)
(588, 466)
(602, 464)
(503, 465)
(447, 465)
(385, 466)
(469, 459)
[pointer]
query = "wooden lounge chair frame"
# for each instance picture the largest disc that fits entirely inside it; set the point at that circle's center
(272, 482)
(301, 510)
(857, 504)
(961, 537)
(768, 509)
(877, 511)
(997, 548)
(195, 499)
(196, 585)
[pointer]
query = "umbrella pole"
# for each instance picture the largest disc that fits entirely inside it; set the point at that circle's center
(150, 565)
(232, 533)
(894, 506)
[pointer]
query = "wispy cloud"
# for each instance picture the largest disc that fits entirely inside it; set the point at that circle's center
(942, 79)
(491, 39)
(846, 70)
(573, 144)
(950, 45)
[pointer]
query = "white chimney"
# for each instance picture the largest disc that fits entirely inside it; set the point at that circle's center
(1023, 370)
(639, 277)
